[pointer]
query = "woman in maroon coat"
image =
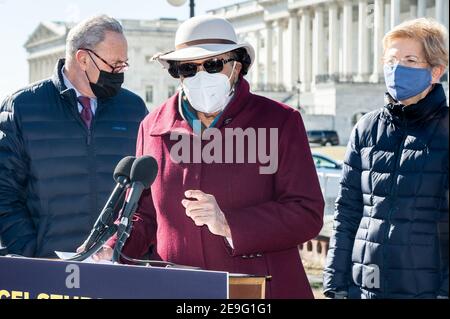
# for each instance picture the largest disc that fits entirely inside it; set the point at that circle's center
(243, 208)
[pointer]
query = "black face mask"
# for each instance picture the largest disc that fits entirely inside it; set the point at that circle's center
(108, 84)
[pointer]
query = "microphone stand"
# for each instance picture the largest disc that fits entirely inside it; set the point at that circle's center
(123, 232)
(97, 244)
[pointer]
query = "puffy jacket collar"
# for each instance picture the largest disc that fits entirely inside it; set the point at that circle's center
(423, 110)
(67, 94)
(169, 119)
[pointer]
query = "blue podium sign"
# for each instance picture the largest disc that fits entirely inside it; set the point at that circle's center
(26, 278)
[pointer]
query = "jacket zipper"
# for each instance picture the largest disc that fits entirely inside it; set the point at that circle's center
(91, 158)
(89, 137)
(394, 192)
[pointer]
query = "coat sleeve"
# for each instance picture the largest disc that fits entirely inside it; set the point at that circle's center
(143, 232)
(443, 242)
(17, 231)
(295, 214)
(348, 215)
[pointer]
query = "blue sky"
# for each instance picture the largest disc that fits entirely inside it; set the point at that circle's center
(18, 18)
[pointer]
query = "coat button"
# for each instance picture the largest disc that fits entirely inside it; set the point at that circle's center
(258, 255)
(227, 121)
(251, 256)
(244, 256)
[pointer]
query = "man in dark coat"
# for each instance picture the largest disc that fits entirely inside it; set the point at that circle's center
(60, 140)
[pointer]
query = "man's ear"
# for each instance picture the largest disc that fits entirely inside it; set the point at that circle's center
(82, 57)
(436, 73)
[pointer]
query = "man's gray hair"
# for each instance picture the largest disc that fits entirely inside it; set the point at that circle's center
(89, 33)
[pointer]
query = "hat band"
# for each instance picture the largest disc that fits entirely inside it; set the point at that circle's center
(203, 41)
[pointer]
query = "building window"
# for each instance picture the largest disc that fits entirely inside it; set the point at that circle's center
(261, 43)
(309, 246)
(171, 90)
(149, 94)
(319, 247)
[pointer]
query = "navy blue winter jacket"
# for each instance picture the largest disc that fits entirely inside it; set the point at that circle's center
(390, 236)
(55, 174)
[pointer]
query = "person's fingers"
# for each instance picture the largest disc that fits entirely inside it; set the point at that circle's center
(80, 249)
(196, 205)
(103, 254)
(199, 213)
(200, 221)
(196, 193)
(190, 203)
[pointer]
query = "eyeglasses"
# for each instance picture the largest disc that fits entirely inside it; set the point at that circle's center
(409, 61)
(187, 70)
(114, 69)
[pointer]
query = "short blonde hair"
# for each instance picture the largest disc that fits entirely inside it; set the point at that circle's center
(430, 33)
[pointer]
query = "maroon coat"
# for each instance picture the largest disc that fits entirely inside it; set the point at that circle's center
(269, 215)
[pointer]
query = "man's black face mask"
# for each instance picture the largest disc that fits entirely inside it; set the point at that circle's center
(108, 83)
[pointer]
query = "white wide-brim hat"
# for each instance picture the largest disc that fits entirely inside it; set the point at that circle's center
(202, 37)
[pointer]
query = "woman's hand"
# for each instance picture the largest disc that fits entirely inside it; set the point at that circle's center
(204, 210)
(105, 253)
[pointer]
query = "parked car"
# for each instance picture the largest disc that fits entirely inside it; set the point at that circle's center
(326, 164)
(329, 172)
(323, 137)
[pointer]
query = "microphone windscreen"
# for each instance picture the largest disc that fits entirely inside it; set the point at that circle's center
(123, 168)
(144, 170)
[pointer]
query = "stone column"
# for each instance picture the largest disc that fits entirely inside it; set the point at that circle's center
(269, 58)
(280, 26)
(421, 8)
(441, 9)
(377, 41)
(318, 45)
(255, 67)
(30, 71)
(387, 17)
(413, 9)
(305, 49)
(333, 41)
(395, 13)
(347, 52)
(294, 49)
(363, 42)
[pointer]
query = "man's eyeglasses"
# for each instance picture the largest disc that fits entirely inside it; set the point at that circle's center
(187, 70)
(114, 69)
(409, 61)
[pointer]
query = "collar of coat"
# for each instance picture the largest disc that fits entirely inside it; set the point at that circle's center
(427, 108)
(169, 119)
(66, 94)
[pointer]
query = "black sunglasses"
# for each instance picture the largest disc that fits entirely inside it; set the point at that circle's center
(188, 70)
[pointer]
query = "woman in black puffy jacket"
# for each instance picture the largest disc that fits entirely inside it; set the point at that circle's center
(390, 236)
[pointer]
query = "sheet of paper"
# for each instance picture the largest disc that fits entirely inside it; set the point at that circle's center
(66, 255)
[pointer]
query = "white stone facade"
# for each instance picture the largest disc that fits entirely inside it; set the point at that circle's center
(324, 55)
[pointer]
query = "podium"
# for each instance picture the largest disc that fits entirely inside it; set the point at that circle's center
(247, 287)
(27, 278)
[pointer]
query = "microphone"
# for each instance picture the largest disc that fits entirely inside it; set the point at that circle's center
(143, 173)
(106, 218)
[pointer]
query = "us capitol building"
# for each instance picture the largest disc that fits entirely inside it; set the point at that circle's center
(320, 56)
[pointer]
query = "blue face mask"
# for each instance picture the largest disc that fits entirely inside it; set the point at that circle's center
(404, 82)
